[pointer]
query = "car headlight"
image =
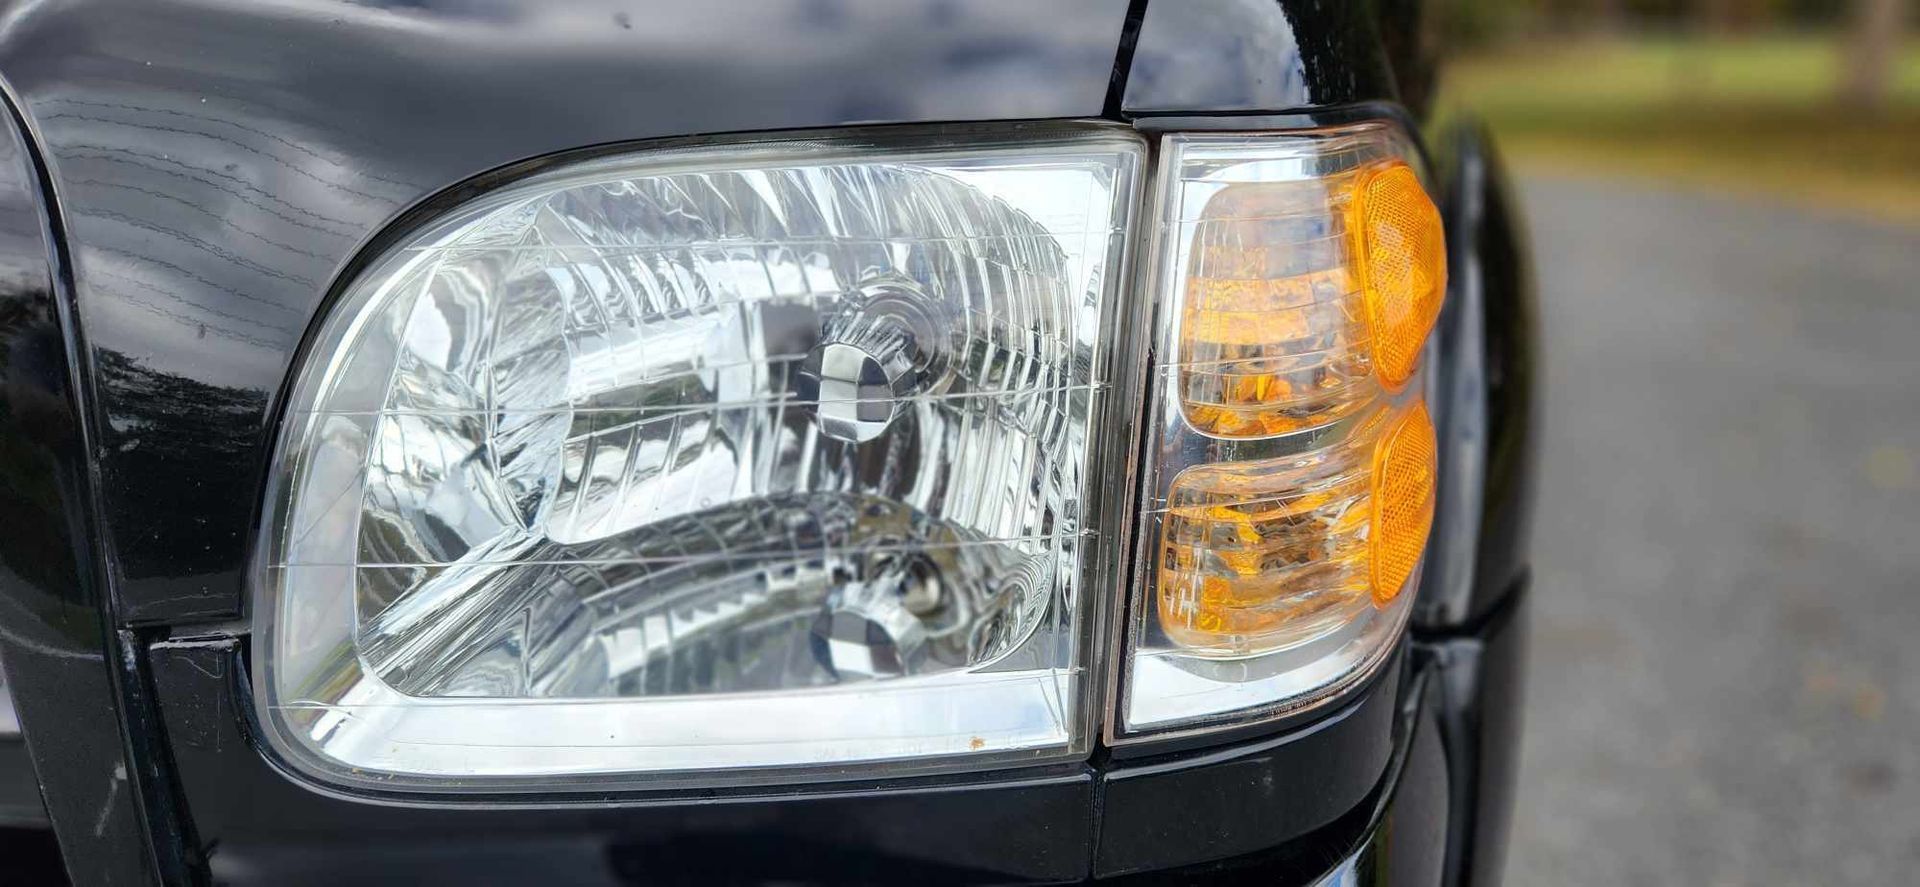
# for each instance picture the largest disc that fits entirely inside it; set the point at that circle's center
(761, 461)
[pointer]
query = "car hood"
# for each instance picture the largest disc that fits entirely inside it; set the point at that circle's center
(219, 163)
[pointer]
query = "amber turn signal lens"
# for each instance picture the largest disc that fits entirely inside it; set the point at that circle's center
(1262, 555)
(1273, 332)
(1298, 291)
(1403, 266)
(1404, 469)
(1289, 488)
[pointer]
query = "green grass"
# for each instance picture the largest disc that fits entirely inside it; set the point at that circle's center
(1752, 116)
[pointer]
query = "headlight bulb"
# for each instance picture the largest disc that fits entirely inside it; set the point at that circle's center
(880, 347)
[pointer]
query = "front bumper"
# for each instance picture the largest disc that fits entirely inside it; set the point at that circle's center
(1370, 793)
(1396, 836)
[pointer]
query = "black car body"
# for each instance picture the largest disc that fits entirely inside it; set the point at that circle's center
(182, 183)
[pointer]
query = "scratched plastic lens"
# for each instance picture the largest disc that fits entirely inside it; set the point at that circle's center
(726, 459)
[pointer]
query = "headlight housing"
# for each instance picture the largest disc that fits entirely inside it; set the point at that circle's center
(757, 462)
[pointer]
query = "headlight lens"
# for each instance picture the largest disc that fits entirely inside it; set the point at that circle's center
(725, 458)
(1289, 483)
(761, 461)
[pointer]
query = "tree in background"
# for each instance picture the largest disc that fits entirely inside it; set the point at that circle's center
(1872, 50)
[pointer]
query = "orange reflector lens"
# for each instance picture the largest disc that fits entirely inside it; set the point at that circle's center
(1403, 266)
(1404, 468)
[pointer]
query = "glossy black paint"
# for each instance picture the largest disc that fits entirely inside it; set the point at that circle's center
(1258, 55)
(1481, 675)
(60, 657)
(1458, 384)
(262, 825)
(1488, 252)
(1470, 618)
(1411, 39)
(1396, 836)
(1195, 808)
(219, 163)
(20, 804)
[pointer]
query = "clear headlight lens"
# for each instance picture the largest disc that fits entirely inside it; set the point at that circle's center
(1289, 480)
(721, 458)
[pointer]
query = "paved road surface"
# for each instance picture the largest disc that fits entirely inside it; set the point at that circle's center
(1725, 675)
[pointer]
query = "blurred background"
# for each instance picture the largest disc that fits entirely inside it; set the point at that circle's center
(1724, 197)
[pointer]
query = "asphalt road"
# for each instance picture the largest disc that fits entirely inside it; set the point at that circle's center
(1724, 685)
